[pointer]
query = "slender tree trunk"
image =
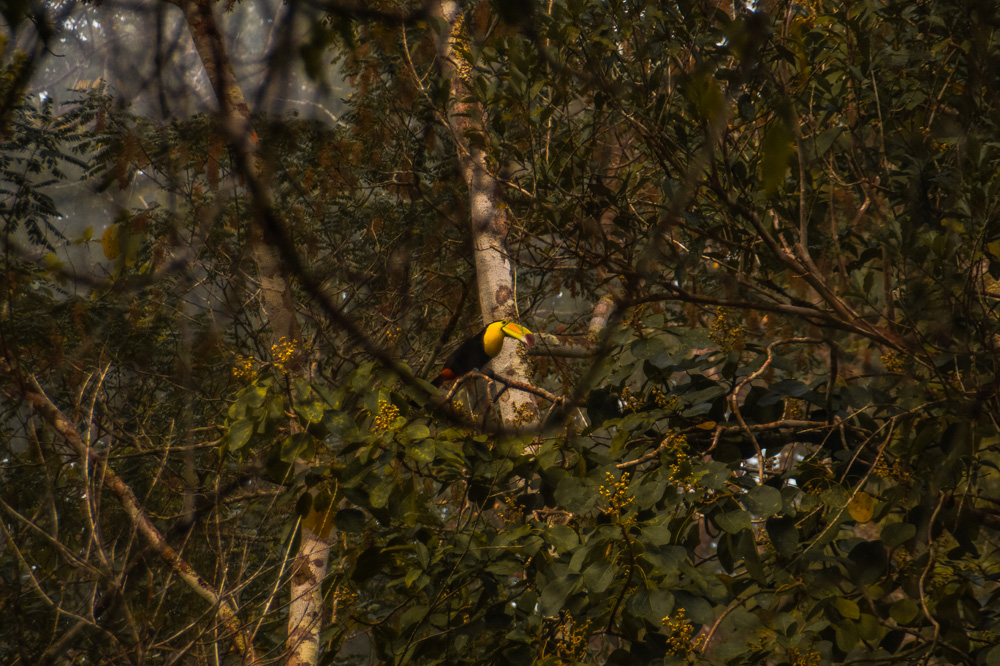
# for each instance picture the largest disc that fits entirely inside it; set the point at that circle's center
(305, 610)
(305, 618)
(488, 217)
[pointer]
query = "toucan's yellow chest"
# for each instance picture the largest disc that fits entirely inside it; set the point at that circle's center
(493, 338)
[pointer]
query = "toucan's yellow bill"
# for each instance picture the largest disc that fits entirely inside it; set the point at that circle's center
(519, 332)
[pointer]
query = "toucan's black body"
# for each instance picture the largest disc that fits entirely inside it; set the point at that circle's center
(470, 355)
(478, 350)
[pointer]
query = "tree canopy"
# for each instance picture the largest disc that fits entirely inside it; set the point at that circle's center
(758, 246)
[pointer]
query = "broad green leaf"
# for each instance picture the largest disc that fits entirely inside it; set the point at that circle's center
(299, 445)
(239, 434)
(904, 611)
(777, 147)
(379, 495)
(733, 522)
(414, 432)
(896, 534)
(561, 537)
(350, 520)
(764, 500)
(576, 496)
(848, 608)
(868, 561)
(423, 451)
(784, 535)
(599, 575)
(312, 412)
(553, 597)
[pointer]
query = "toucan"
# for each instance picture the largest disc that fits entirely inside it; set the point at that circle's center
(480, 349)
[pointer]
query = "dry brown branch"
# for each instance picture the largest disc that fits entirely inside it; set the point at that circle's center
(224, 610)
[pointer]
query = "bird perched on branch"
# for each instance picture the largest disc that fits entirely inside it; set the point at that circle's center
(480, 349)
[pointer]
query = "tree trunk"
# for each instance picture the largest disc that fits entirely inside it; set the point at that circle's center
(305, 619)
(305, 610)
(494, 272)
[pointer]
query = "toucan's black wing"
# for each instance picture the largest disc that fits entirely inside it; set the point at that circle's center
(470, 355)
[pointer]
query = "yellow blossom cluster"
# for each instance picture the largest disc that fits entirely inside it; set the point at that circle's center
(281, 353)
(681, 631)
(615, 493)
(629, 401)
(344, 596)
(793, 409)
(892, 362)
(894, 471)
(461, 410)
(675, 453)
(807, 658)
(243, 368)
(524, 413)
(663, 401)
(726, 332)
(387, 415)
(901, 557)
(512, 512)
(571, 646)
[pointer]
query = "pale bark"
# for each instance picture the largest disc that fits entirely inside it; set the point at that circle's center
(305, 617)
(305, 611)
(488, 218)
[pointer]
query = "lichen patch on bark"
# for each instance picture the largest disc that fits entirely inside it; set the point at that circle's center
(504, 294)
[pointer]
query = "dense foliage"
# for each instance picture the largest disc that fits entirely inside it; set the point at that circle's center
(781, 446)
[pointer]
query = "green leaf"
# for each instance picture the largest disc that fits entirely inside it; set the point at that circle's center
(777, 147)
(868, 562)
(423, 452)
(553, 597)
(826, 139)
(657, 532)
(413, 432)
(784, 535)
(661, 601)
(340, 424)
(312, 412)
(561, 537)
(350, 520)
(846, 635)
(416, 613)
(847, 608)
(834, 497)
(713, 474)
(733, 522)
(380, 495)
(904, 611)
(576, 496)
(649, 492)
(896, 534)
(764, 500)
(297, 446)
(239, 434)
(599, 575)
(411, 577)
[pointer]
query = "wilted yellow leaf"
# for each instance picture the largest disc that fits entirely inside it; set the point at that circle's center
(861, 507)
(109, 241)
